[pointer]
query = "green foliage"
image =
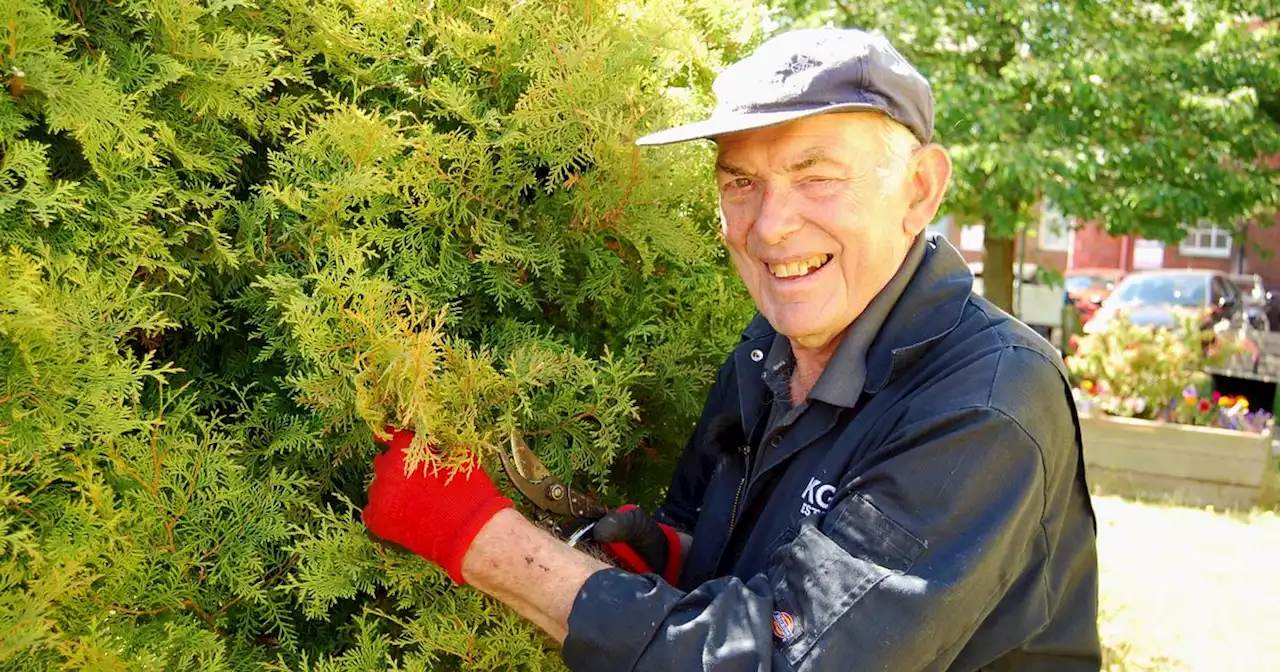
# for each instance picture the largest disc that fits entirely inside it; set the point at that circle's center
(238, 238)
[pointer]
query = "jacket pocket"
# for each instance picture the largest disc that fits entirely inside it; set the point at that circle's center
(863, 530)
(832, 565)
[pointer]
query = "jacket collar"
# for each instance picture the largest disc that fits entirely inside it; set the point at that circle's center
(846, 376)
(758, 328)
(930, 306)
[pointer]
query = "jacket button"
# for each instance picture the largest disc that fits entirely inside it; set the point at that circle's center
(756, 355)
(776, 440)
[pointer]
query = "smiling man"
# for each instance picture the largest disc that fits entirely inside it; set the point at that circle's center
(803, 209)
(887, 473)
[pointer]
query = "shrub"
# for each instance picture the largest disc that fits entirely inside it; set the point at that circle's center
(236, 237)
(1151, 372)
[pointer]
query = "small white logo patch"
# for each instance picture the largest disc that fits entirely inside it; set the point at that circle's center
(816, 498)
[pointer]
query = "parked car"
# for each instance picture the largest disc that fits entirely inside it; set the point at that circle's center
(1087, 287)
(1255, 299)
(1273, 306)
(1153, 298)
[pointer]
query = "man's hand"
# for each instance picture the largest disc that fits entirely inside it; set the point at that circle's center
(639, 543)
(456, 518)
(436, 513)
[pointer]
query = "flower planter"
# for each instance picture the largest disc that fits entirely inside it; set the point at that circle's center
(1185, 463)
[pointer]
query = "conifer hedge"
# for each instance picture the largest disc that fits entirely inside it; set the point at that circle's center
(238, 235)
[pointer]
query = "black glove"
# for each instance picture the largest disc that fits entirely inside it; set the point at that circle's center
(643, 545)
(640, 543)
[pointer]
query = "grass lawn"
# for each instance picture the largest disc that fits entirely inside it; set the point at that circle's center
(1188, 588)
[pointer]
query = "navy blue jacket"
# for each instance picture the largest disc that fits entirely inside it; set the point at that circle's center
(943, 523)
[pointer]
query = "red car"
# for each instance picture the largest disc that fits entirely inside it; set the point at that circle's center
(1087, 287)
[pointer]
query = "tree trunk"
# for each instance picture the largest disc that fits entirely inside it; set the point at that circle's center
(997, 271)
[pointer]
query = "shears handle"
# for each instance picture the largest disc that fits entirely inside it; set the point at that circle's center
(581, 533)
(626, 556)
(624, 552)
(628, 559)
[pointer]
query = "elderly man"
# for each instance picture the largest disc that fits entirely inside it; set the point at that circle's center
(887, 474)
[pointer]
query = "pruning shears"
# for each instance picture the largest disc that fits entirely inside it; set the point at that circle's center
(553, 496)
(547, 492)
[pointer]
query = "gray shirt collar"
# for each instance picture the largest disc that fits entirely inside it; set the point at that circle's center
(843, 379)
(778, 365)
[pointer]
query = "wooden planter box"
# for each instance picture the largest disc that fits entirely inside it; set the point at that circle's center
(1191, 465)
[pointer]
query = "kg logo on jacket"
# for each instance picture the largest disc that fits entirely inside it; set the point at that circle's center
(816, 498)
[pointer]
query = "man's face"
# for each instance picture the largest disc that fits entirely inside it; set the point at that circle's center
(814, 223)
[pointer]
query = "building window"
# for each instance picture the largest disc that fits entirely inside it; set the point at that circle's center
(971, 238)
(1207, 241)
(1055, 230)
(1147, 254)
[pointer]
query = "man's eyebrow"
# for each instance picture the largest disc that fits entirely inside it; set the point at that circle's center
(731, 169)
(810, 158)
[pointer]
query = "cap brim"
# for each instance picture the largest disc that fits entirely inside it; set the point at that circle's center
(735, 123)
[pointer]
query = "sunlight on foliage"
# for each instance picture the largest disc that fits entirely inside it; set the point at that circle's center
(238, 238)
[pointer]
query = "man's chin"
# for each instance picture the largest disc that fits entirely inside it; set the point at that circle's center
(815, 341)
(805, 334)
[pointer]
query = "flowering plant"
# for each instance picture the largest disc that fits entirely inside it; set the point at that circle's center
(1216, 410)
(1155, 373)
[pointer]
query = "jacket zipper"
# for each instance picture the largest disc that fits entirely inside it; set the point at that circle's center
(737, 496)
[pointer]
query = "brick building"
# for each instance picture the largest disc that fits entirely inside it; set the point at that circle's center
(1050, 247)
(1058, 246)
(1204, 247)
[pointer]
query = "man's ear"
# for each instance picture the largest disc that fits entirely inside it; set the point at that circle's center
(930, 176)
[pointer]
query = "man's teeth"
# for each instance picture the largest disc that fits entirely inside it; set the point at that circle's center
(796, 269)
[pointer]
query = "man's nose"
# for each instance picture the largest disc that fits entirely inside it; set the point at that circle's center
(777, 218)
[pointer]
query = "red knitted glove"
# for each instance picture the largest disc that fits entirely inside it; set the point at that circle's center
(434, 513)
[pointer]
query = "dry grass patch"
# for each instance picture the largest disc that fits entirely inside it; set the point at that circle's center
(1188, 588)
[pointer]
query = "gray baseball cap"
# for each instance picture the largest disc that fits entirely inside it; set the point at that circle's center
(813, 71)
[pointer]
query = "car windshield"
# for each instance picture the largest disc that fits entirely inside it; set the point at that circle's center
(1164, 289)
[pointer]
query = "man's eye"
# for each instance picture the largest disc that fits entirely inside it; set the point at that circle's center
(740, 183)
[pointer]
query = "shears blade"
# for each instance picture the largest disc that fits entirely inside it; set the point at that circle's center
(532, 478)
